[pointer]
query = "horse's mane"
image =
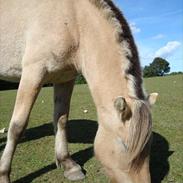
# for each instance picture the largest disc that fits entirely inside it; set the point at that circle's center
(140, 131)
(132, 68)
(140, 128)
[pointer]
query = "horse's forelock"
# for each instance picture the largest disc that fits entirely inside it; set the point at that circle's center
(139, 129)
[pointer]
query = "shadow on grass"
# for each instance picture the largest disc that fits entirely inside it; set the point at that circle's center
(32, 134)
(83, 131)
(30, 177)
(159, 165)
(78, 131)
(2, 139)
(80, 157)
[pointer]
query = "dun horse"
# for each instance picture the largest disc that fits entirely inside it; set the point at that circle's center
(50, 41)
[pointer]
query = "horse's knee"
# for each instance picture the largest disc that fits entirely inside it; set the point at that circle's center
(16, 129)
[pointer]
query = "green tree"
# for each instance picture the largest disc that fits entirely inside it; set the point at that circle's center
(159, 67)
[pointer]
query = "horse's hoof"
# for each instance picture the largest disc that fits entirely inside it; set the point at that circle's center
(58, 164)
(74, 173)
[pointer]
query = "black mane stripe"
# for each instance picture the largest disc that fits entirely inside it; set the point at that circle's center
(134, 69)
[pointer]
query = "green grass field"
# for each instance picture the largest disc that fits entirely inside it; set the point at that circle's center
(34, 157)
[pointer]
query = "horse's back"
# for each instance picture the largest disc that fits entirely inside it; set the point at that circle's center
(36, 26)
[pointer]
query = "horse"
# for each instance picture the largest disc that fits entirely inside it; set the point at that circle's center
(50, 41)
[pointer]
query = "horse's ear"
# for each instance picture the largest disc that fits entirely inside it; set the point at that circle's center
(152, 98)
(123, 109)
(120, 104)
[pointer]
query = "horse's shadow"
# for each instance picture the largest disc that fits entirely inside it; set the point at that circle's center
(80, 157)
(78, 131)
(83, 131)
(159, 165)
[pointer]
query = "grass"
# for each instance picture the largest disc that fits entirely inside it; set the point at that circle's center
(34, 157)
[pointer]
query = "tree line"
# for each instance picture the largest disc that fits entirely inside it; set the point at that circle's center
(159, 67)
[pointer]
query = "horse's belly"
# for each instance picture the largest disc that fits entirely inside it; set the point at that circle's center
(12, 42)
(11, 53)
(10, 60)
(10, 72)
(20, 22)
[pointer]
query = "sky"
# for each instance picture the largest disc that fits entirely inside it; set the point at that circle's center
(157, 27)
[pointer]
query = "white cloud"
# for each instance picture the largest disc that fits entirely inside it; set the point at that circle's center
(168, 49)
(158, 36)
(134, 27)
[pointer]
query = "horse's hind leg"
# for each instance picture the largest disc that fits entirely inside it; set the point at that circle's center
(28, 90)
(62, 96)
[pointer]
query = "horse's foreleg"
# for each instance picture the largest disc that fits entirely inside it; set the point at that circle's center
(62, 96)
(29, 88)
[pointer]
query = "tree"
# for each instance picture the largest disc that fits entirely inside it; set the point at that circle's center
(158, 67)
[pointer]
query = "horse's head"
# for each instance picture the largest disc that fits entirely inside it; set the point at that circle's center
(135, 117)
(124, 150)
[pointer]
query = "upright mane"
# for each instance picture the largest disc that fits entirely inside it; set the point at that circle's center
(131, 65)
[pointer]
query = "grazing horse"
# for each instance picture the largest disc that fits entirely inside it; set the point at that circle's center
(50, 41)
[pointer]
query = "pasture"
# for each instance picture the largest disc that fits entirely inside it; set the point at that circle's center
(34, 157)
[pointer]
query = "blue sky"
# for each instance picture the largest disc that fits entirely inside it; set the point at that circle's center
(157, 27)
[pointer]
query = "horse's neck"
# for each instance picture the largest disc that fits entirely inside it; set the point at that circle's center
(105, 79)
(100, 58)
